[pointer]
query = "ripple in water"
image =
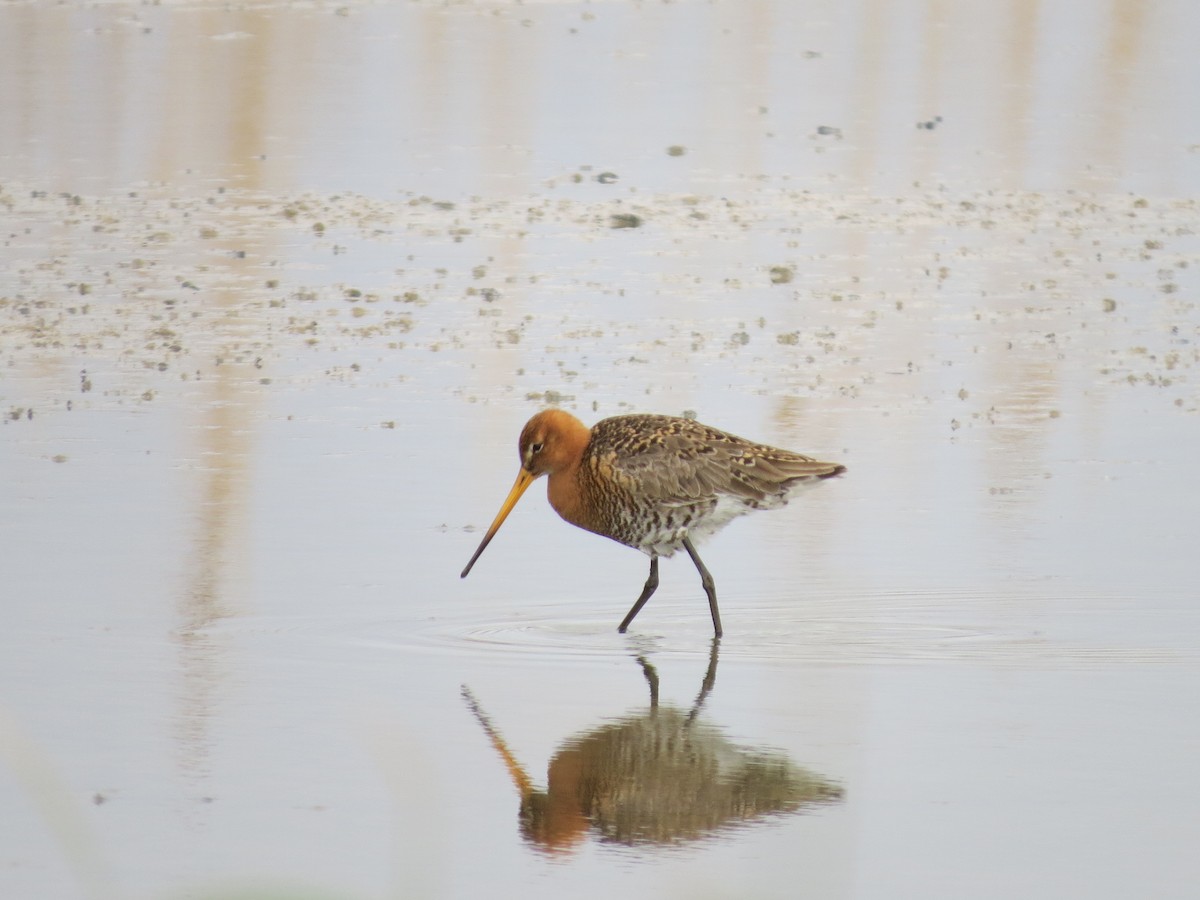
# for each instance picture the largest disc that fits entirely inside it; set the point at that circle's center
(893, 628)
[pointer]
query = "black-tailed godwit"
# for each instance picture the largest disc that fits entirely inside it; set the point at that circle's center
(654, 483)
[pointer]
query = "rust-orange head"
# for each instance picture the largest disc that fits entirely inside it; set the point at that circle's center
(551, 441)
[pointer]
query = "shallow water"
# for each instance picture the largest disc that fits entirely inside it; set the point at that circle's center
(279, 284)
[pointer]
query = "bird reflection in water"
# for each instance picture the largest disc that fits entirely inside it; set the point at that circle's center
(660, 777)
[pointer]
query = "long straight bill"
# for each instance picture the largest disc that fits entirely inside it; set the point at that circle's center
(524, 480)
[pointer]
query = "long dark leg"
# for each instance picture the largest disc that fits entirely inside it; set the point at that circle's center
(651, 586)
(710, 587)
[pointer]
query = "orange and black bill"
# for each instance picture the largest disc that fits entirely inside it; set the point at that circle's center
(524, 480)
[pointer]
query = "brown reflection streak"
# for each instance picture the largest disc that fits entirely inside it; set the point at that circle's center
(430, 72)
(1017, 460)
(867, 88)
(753, 86)
(869, 83)
(789, 415)
(504, 113)
(225, 414)
(1018, 92)
(216, 94)
(1111, 102)
(225, 455)
(658, 777)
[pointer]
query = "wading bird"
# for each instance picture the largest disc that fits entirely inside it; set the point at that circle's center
(654, 483)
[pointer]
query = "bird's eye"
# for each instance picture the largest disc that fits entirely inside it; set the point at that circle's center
(536, 448)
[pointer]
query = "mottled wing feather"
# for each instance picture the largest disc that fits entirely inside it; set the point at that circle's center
(674, 461)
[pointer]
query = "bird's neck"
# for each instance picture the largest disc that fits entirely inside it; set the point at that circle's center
(564, 489)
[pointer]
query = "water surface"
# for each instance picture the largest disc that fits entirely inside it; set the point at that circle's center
(279, 285)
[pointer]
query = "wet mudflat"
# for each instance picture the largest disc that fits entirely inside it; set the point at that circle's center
(279, 285)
